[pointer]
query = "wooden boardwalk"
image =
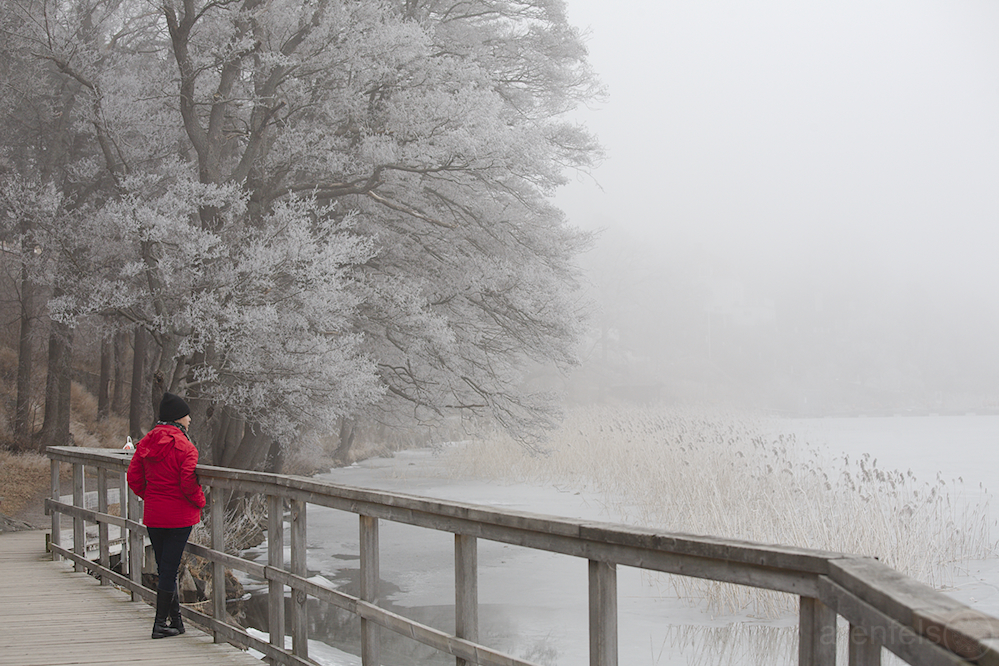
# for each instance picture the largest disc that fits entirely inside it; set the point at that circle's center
(50, 616)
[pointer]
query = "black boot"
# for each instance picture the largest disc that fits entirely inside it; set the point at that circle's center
(163, 602)
(176, 621)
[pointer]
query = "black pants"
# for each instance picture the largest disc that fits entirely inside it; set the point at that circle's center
(168, 546)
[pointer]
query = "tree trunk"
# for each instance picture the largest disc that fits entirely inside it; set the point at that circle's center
(104, 383)
(157, 388)
(275, 458)
(22, 409)
(135, 406)
(118, 395)
(348, 430)
(204, 427)
(250, 451)
(218, 445)
(65, 384)
(55, 424)
(47, 434)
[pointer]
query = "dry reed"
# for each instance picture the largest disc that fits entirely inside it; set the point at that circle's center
(741, 477)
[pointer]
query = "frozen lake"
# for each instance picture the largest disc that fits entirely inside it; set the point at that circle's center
(533, 604)
(954, 446)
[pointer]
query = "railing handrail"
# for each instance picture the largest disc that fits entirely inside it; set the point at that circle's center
(884, 608)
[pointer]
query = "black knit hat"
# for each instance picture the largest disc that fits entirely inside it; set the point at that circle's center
(173, 407)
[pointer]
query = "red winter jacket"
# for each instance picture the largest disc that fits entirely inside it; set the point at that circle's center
(162, 474)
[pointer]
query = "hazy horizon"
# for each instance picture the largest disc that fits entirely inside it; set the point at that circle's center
(837, 162)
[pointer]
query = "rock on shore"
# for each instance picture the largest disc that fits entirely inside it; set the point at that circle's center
(8, 524)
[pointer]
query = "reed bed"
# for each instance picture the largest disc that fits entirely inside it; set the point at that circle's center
(740, 644)
(741, 476)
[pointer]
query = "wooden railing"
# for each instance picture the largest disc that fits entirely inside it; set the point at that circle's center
(884, 609)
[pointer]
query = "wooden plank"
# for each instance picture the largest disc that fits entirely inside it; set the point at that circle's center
(903, 641)
(299, 619)
(136, 543)
(862, 649)
(102, 527)
(928, 612)
(138, 591)
(90, 515)
(890, 591)
(369, 587)
(237, 636)
(329, 595)
(217, 511)
(816, 633)
(55, 484)
(275, 559)
(231, 561)
(79, 540)
(471, 652)
(123, 502)
(466, 591)
(966, 632)
(744, 552)
(533, 528)
(799, 582)
(53, 616)
(603, 613)
(891, 597)
(358, 500)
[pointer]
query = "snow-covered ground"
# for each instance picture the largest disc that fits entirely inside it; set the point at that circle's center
(533, 604)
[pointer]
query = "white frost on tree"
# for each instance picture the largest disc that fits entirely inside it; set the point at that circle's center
(330, 208)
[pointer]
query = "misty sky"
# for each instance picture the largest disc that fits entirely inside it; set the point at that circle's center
(853, 140)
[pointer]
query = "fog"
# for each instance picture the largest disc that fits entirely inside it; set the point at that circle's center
(799, 202)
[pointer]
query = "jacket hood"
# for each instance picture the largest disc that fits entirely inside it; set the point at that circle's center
(158, 442)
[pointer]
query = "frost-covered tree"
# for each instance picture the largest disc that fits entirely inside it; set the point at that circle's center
(325, 208)
(255, 317)
(44, 188)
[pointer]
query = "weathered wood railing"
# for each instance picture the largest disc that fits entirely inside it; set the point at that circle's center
(884, 608)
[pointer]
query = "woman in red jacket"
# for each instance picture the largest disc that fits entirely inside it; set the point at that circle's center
(162, 474)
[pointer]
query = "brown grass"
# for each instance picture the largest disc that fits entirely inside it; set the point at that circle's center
(25, 476)
(85, 427)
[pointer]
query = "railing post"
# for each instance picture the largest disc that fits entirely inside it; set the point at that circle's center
(299, 619)
(136, 543)
(217, 512)
(863, 650)
(124, 532)
(56, 493)
(603, 613)
(816, 633)
(102, 527)
(466, 590)
(79, 527)
(369, 588)
(275, 558)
